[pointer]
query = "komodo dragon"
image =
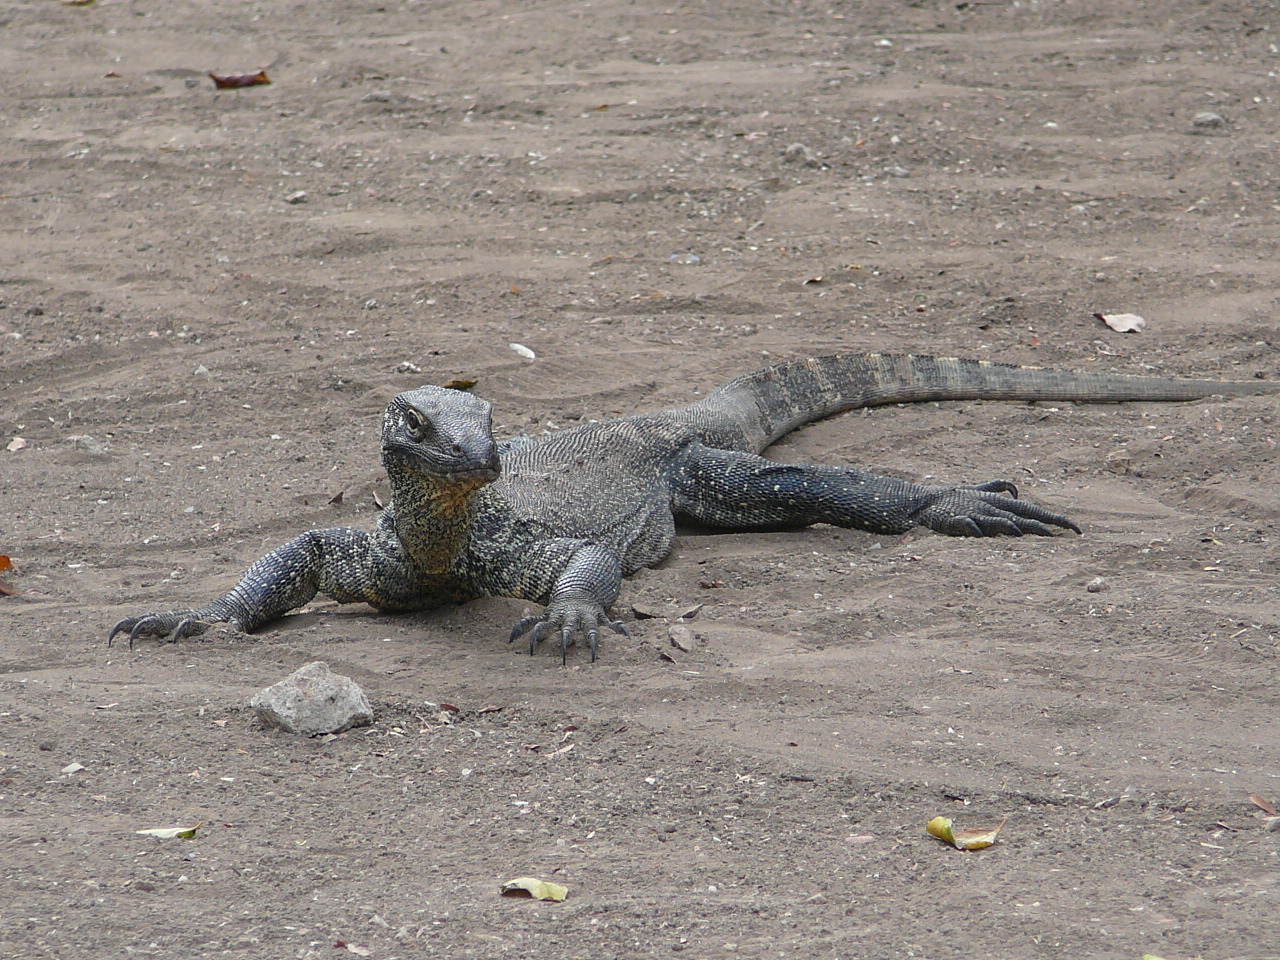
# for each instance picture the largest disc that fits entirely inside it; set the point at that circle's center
(562, 519)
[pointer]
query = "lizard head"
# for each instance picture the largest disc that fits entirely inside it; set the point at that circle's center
(441, 435)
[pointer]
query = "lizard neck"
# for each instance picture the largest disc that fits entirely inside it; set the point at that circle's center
(433, 516)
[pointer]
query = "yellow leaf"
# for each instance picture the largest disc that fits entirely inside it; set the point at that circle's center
(942, 828)
(168, 833)
(535, 888)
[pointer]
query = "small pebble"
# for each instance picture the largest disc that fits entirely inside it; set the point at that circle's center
(1208, 121)
(800, 153)
(297, 197)
(1098, 585)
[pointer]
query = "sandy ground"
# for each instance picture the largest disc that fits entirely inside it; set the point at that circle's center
(207, 298)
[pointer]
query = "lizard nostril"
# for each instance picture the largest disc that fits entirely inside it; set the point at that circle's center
(457, 448)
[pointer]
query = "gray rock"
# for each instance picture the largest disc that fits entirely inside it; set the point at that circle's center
(681, 637)
(313, 701)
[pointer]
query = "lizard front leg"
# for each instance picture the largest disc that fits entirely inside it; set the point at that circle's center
(578, 580)
(346, 564)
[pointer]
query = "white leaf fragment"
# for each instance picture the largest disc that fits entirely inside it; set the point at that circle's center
(1122, 322)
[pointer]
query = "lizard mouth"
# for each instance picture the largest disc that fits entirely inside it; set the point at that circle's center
(485, 474)
(468, 471)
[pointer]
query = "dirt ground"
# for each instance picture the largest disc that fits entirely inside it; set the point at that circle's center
(207, 298)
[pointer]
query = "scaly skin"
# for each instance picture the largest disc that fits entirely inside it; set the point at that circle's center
(560, 521)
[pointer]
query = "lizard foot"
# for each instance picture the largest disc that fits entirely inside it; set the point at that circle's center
(170, 626)
(989, 509)
(569, 617)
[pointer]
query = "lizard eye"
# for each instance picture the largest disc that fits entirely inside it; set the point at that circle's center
(415, 425)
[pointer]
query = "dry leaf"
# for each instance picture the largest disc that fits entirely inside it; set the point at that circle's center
(5, 562)
(460, 383)
(1122, 322)
(337, 500)
(169, 833)
(535, 888)
(16, 444)
(1259, 801)
(941, 827)
(232, 80)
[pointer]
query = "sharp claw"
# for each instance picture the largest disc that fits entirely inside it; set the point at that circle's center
(566, 636)
(138, 629)
(593, 638)
(120, 627)
(535, 638)
(617, 626)
(187, 628)
(999, 486)
(521, 628)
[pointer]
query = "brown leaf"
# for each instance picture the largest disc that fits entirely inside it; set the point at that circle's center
(337, 500)
(5, 562)
(230, 81)
(449, 707)
(460, 383)
(1259, 801)
(490, 709)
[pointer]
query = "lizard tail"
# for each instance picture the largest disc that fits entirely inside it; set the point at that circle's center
(752, 411)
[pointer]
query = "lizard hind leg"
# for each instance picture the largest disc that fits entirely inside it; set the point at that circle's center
(741, 491)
